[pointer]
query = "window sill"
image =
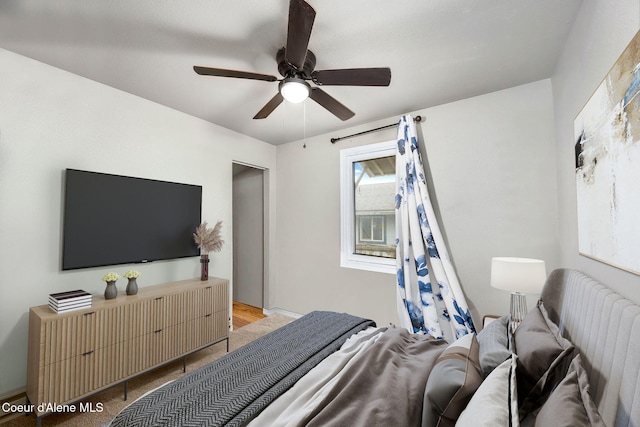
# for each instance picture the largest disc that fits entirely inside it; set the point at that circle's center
(361, 262)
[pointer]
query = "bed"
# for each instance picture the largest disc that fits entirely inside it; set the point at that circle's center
(574, 360)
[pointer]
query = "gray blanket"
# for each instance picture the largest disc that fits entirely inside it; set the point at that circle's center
(385, 388)
(233, 389)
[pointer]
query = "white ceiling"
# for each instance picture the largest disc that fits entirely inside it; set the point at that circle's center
(438, 51)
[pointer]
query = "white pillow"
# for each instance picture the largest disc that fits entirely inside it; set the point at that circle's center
(496, 400)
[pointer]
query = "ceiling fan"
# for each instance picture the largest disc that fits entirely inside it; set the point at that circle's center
(297, 64)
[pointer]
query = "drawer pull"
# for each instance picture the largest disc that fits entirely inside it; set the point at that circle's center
(208, 315)
(156, 331)
(89, 313)
(208, 287)
(87, 353)
(159, 298)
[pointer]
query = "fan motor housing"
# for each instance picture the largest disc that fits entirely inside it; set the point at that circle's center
(288, 70)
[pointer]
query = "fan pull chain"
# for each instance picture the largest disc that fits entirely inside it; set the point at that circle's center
(304, 124)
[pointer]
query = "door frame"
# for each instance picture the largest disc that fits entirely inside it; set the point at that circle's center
(266, 269)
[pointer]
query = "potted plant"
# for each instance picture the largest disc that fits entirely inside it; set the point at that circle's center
(132, 286)
(207, 239)
(110, 291)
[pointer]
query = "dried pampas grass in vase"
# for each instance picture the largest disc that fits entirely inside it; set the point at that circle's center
(207, 239)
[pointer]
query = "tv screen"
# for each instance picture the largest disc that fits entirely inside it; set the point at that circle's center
(112, 219)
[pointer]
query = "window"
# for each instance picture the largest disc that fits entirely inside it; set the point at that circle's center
(367, 193)
(371, 229)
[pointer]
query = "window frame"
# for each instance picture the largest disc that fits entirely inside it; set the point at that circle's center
(348, 257)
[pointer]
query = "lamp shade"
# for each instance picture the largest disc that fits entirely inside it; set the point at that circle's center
(523, 275)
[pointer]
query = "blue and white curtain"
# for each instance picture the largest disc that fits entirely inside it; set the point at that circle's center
(430, 299)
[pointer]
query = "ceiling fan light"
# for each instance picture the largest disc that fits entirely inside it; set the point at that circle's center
(294, 90)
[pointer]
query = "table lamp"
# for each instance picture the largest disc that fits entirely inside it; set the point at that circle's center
(519, 276)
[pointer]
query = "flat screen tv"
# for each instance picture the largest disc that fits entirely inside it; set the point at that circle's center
(113, 219)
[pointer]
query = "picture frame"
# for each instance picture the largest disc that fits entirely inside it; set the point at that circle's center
(607, 166)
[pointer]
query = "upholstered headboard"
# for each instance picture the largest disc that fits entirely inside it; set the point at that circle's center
(605, 327)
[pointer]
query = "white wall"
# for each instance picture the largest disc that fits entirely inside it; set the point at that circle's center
(51, 120)
(492, 163)
(602, 30)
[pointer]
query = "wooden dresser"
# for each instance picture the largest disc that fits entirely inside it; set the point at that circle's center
(75, 354)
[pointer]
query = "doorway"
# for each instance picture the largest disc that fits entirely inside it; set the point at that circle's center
(248, 236)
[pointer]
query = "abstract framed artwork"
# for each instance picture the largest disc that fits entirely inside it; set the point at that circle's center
(607, 161)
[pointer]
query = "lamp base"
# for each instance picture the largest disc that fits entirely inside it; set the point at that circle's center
(518, 310)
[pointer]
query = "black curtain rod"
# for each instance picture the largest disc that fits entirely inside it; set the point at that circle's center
(416, 119)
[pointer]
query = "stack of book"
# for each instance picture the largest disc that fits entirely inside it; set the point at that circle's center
(66, 301)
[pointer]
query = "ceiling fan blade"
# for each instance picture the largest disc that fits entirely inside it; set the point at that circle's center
(301, 17)
(353, 77)
(331, 104)
(220, 72)
(269, 107)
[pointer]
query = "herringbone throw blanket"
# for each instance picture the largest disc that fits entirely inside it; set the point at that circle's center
(233, 389)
